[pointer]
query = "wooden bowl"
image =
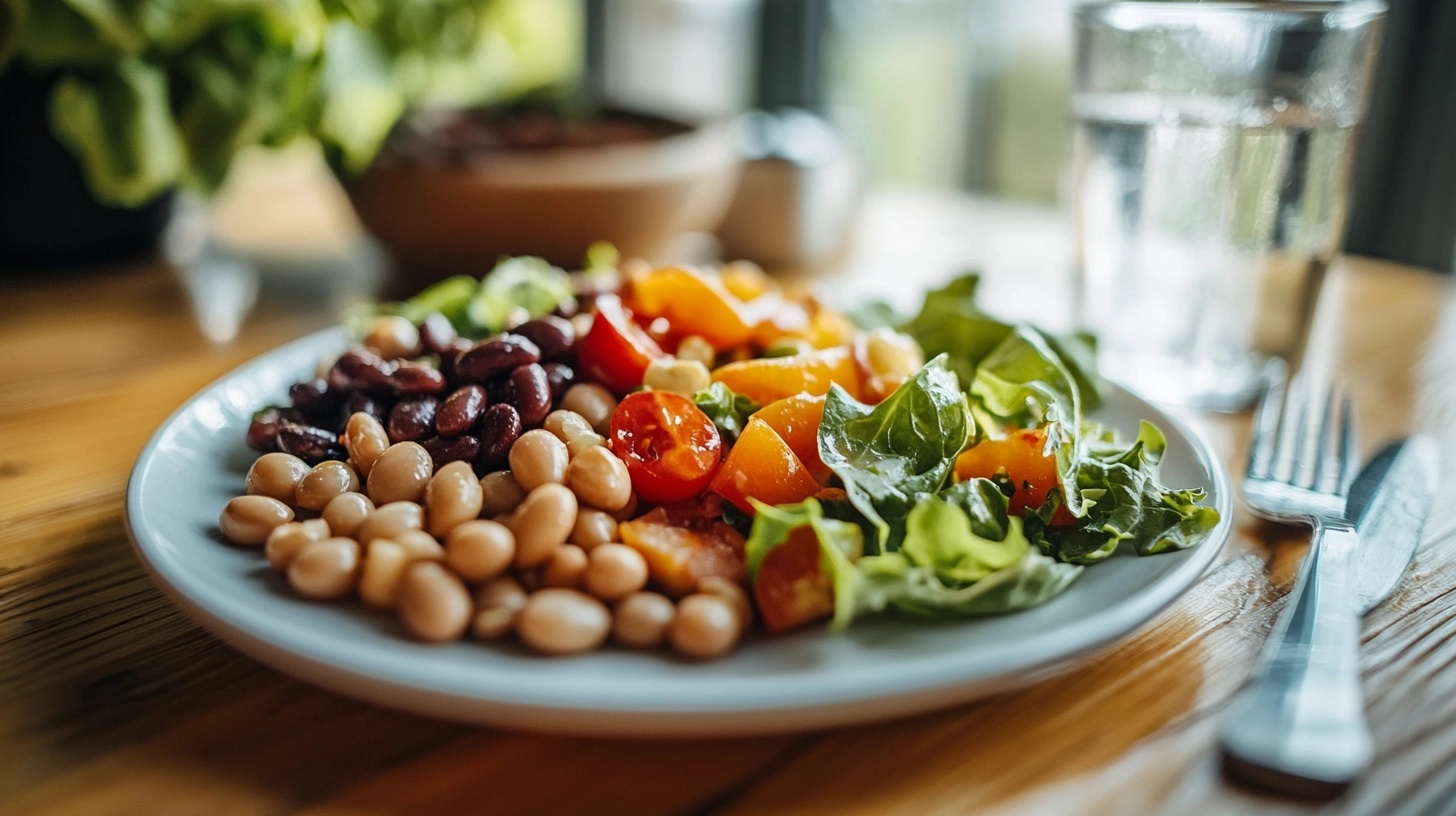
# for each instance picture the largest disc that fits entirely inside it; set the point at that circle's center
(443, 218)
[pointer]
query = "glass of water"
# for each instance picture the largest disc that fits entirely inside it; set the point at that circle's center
(1210, 175)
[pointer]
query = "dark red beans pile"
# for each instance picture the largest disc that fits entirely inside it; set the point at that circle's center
(461, 401)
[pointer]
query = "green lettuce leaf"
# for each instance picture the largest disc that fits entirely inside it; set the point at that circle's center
(1123, 500)
(892, 580)
(523, 282)
(118, 121)
(477, 308)
(13, 14)
(949, 323)
(890, 454)
(964, 533)
(728, 410)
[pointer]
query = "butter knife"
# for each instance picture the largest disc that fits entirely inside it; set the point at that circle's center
(1388, 504)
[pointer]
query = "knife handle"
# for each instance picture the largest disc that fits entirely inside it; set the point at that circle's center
(1299, 727)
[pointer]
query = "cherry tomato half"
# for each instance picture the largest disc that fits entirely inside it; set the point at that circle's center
(671, 447)
(616, 351)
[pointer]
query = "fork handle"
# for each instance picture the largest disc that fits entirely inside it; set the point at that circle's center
(1299, 727)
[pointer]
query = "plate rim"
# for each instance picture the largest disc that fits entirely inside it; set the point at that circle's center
(841, 704)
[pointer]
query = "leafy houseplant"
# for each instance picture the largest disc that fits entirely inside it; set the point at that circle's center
(146, 96)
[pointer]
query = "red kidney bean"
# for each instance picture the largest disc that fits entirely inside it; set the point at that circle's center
(436, 333)
(415, 378)
(263, 432)
(338, 379)
(461, 410)
(315, 399)
(446, 449)
(530, 392)
(366, 370)
(561, 377)
(500, 427)
(495, 357)
(450, 355)
(413, 419)
(312, 445)
(375, 406)
(554, 336)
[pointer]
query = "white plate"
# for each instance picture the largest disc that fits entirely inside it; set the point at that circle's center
(882, 668)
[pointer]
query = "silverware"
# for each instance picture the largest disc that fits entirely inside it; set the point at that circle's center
(1389, 503)
(1299, 727)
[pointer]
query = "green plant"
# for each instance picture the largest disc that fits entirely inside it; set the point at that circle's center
(154, 94)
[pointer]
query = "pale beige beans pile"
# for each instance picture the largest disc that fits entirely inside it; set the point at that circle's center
(532, 551)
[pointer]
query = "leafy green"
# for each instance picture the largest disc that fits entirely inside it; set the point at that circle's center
(951, 323)
(521, 282)
(477, 308)
(891, 579)
(728, 410)
(1123, 501)
(890, 454)
(874, 314)
(964, 532)
(12, 18)
(155, 94)
(950, 569)
(118, 122)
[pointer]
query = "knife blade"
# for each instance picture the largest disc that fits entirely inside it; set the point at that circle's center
(1388, 504)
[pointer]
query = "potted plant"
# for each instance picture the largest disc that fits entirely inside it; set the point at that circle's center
(110, 106)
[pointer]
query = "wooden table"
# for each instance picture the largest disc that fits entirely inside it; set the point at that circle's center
(114, 701)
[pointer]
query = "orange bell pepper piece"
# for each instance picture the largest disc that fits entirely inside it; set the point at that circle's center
(796, 420)
(771, 379)
(762, 466)
(693, 303)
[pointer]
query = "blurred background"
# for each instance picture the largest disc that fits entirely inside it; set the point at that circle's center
(253, 110)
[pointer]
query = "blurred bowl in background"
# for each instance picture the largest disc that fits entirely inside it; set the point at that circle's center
(454, 191)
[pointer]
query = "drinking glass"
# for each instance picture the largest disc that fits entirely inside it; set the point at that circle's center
(1210, 174)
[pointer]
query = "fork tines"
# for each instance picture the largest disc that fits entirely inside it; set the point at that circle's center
(1304, 433)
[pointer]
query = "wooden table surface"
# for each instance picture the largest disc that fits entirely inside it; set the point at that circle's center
(114, 701)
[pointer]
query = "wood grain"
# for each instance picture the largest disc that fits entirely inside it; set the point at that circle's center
(112, 701)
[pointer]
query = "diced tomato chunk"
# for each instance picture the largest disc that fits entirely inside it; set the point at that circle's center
(791, 587)
(682, 548)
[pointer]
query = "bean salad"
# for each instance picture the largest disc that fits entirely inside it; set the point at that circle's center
(672, 457)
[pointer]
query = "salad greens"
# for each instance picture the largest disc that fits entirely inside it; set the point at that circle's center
(904, 538)
(728, 410)
(478, 307)
(155, 94)
(891, 454)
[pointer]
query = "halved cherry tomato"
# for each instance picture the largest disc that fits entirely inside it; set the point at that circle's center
(671, 448)
(616, 351)
(761, 466)
(1021, 457)
(791, 587)
(796, 419)
(683, 548)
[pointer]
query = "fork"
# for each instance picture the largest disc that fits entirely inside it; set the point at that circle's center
(1299, 727)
